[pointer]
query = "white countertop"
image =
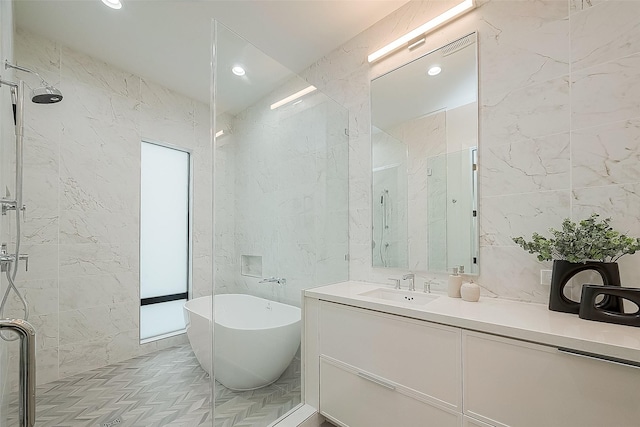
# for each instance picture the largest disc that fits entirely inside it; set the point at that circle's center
(524, 321)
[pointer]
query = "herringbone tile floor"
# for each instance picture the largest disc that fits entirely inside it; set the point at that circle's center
(165, 388)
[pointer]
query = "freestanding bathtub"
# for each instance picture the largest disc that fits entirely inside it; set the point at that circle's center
(255, 339)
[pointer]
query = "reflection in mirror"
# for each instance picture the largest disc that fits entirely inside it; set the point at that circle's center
(424, 149)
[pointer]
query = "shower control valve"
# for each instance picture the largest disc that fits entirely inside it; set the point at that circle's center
(25, 258)
(6, 259)
(10, 205)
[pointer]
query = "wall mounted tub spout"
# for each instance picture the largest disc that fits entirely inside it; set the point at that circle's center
(278, 280)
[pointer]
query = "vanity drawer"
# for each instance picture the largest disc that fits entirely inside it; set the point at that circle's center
(420, 356)
(353, 398)
(513, 383)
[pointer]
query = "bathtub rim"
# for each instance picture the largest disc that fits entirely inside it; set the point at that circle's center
(217, 322)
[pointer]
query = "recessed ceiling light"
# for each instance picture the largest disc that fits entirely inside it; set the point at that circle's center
(238, 70)
(113, 4)
(434, 71)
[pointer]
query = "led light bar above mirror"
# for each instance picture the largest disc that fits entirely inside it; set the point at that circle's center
(412, 38)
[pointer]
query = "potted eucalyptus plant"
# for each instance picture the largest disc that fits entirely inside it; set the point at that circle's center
(591, 244)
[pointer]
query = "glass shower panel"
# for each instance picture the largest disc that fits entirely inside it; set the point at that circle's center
(280, 201)
(82, 188)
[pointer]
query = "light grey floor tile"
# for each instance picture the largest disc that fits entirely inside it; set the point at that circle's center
(165, 388)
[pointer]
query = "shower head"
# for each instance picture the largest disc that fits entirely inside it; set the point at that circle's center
(46, 95)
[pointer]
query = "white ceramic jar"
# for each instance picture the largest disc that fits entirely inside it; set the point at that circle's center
(470, 291)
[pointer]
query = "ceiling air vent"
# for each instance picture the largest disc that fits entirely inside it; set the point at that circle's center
(457, 45)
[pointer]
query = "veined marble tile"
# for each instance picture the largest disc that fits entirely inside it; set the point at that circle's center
(92, 258)
(39, 229)
(331, 228)
(100, 165)
(100, 148)
(82, 356)
(40, 179)
(605, 155)
(82, 101)
(606, 93)
(580, 5)
(166, 130)
(96, 322)
(163, 103)
(525, 166)
(46, 326)
(98, 74)
(37, 52)
(619, 202)
(81, 292)
(43, 122)
(41, 295)
(47, 363)
(531, 112)
(203, 122)
(608, 31)
(516, 215)
(530, 39)
(97, 226)
(630, 270)
(43, 262)
(512, 273)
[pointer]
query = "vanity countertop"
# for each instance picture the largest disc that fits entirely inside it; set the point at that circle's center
(524, 321)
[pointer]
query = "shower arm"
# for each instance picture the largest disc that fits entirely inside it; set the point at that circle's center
(8, 65)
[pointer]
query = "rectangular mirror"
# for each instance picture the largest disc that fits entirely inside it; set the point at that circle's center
(424, 142)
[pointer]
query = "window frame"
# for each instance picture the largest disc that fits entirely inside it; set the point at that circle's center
(188, 295)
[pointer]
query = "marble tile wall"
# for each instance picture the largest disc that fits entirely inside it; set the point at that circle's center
(390, 189)
(7, 151)
(559, 125)
(281, 191)
(82, 172)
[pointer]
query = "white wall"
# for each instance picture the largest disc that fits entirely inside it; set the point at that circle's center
(559, 124)
(82, 172)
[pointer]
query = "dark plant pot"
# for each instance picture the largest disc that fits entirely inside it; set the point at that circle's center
(563, 271)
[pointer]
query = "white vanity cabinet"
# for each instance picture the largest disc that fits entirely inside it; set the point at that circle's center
(452, 363)
(384, 370)
(514, 383)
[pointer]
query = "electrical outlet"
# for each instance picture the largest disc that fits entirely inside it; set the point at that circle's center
(545, 277)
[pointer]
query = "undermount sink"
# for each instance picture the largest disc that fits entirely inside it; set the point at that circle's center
(399, 296)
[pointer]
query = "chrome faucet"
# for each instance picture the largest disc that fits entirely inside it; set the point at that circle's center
(278, 280)
(410, 277)
(396, 282)
(427, 286)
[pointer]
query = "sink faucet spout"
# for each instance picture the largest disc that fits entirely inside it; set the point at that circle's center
(410, 277)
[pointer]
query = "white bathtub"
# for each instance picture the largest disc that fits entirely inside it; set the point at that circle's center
(255, 339)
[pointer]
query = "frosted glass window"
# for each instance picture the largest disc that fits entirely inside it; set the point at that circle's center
(164, 233)
(160, 319)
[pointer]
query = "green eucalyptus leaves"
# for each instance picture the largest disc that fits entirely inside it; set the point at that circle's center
(590, 240)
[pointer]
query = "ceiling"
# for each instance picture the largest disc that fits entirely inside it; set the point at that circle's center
(169, 41)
